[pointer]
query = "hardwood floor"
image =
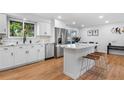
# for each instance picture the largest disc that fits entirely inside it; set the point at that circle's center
(53, 70)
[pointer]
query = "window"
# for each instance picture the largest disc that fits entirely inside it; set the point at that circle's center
(29, 29)
(17, 28)
(74, 33)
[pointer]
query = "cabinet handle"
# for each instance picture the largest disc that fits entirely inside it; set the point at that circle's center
(4, 29)
(11, 54)
(5, 48)
(45, 32)
(27, 52)
(20, 47)
(38, 50)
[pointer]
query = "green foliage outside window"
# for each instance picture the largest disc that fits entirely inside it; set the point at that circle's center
(16, 29)
(29, 29)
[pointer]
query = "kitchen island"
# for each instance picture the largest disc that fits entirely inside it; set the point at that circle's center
(73, 59)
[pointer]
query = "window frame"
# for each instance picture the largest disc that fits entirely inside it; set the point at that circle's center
(35, 27)
(23, 21)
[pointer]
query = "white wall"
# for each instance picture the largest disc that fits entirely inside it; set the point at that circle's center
(105, 36)
(60, 24)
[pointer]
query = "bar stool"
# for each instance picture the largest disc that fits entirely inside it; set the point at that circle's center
(104, 63)
(103, 57)
(91, 57)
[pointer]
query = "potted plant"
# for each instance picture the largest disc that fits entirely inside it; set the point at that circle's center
(76, 39)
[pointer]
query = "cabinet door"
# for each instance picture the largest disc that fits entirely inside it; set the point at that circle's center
(45, 29)
(20, 55)
(48, 28)
(1, 60)
(41, 52)
(3, 23)
(52, 50)
(6, 58)
(33, 53)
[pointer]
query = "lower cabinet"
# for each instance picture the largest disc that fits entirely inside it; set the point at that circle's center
(41, 52)
(6, 58)
(29, 54)
(1, 62)
(32, 53)
(20, 55)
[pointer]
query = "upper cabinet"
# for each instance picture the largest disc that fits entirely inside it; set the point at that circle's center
(3, 24)
(44, 29)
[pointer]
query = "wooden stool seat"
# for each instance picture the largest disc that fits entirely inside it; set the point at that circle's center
(98, 54)
(93, 57)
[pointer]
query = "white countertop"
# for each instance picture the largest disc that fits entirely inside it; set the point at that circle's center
(77, 46)
(14, 45)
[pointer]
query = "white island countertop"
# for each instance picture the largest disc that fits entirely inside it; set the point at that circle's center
(77, 46)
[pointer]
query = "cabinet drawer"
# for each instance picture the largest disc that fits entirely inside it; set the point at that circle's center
(6, 48)
(1, 49)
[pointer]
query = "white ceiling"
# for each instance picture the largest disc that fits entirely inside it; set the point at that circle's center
(87, 19)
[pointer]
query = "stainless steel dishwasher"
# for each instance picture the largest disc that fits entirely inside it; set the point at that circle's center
(49, 50)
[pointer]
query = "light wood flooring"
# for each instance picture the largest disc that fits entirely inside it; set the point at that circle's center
(52, 69)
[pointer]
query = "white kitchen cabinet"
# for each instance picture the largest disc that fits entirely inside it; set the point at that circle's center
(3, 24)
(23, 54)
(6, 57)
(28, 54)
(36, 53)
(41, 52)
(20, 55)
(32, 54)
(1, 60)
(44, 29)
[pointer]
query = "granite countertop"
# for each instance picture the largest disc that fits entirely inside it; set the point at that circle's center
(77, 46)
(14, 45)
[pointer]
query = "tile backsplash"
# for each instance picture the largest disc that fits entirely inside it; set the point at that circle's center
(6, 40)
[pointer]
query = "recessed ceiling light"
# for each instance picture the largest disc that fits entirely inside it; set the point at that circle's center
(73, 23)
(101, 17)
(106, 21)
(82, 25)
(59, 17)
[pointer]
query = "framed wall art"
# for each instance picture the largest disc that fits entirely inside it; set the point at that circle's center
(89, 33)
(94, 32)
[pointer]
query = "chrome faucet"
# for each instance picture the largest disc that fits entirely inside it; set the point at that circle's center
(24, 37)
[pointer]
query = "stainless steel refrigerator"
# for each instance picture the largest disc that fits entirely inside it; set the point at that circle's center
(60, 38)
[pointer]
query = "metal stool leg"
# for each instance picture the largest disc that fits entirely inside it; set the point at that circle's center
(86, 67)
(81, 69)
